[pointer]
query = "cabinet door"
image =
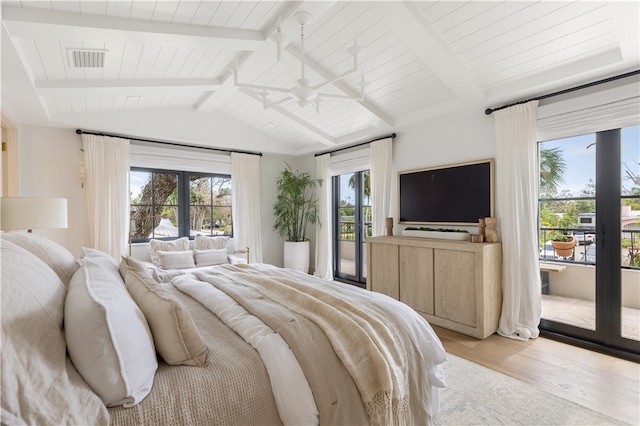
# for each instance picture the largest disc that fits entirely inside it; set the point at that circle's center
(455, 286)
(384, 269)
(416, 278)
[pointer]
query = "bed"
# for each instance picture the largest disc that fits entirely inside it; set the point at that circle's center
(93, 341)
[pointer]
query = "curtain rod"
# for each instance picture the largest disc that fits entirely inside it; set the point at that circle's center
(113, 135)
(392, 135)
(488, 111)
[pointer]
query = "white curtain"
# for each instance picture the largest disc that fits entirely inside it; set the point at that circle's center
(381, 167)
(517, 188)
(324, 229)
(245, 193)
(106, 163)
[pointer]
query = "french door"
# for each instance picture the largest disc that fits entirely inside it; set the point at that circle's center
(352, 224)
(596, 297)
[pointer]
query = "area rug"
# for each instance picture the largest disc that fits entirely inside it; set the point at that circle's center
(476, 395)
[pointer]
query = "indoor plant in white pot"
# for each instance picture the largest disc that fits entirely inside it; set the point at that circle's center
(295, 208)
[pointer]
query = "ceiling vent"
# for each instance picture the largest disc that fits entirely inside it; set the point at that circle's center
(82, 58)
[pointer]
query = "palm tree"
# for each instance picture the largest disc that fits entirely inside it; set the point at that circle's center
(367, 183)
(552, 168)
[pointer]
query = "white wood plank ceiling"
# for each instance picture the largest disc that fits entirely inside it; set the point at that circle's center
(422, 59)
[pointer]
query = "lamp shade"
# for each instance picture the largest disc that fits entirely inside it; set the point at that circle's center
(32, 213)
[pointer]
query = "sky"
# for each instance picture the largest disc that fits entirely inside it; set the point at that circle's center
(580, 158)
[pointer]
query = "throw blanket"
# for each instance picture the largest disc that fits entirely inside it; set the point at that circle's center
(364, 338)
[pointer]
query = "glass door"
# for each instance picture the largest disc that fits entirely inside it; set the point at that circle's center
(590, 195)
(625, 319)
(352, 219)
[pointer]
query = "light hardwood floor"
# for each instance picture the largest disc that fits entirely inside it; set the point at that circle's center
(601, 382)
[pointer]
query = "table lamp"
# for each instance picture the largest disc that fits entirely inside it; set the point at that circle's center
(32, 213)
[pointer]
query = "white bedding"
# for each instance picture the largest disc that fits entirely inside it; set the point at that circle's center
(291, 389)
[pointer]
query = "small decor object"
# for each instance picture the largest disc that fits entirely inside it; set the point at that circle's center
(481, 227)
(477, 238)
(490, 233)
(563, 245)
(389, 225)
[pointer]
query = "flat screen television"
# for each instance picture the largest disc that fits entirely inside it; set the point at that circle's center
(455, 194)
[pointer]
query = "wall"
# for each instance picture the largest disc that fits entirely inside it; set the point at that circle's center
(448, 140)
(49, 162)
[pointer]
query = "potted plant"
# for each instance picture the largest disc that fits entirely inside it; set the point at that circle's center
(295, 208)
(563, 245)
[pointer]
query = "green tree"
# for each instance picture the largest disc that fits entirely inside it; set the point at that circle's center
(552, 168)
(367, 183)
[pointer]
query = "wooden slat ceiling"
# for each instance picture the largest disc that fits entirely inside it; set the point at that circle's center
(422, 59)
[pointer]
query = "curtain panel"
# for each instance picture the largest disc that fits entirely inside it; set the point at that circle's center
(381, 168)
(106, 165)
(324, 229)
(517, 188)
(245, 193)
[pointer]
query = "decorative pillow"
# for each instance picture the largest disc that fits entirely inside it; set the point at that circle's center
(210, 257)
(130, 263)
(108, 338)
(181, 244)
(176, 259)
(39, 384)
(175, 335)
(202, 242)
(53, 254)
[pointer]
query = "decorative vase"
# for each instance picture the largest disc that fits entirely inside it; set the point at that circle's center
(564, 248)
(490, 232)
(389, 225)
(296, 255)
(481, 227)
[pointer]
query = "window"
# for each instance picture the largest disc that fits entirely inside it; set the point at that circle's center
(169, 204)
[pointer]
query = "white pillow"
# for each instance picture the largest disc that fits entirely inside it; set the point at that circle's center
(210, 257)
(181, 244)
(176, 259)
(108, 337)
(53, 254)
(202, 242)
(39, 383)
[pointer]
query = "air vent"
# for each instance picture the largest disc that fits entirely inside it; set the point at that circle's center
(80, 58)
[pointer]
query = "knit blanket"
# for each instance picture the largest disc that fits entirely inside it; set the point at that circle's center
(372, 346)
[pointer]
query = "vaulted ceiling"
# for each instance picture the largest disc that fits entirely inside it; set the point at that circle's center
(421, 60)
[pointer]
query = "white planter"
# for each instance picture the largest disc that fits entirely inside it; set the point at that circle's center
(438, 235)
(296, 256)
